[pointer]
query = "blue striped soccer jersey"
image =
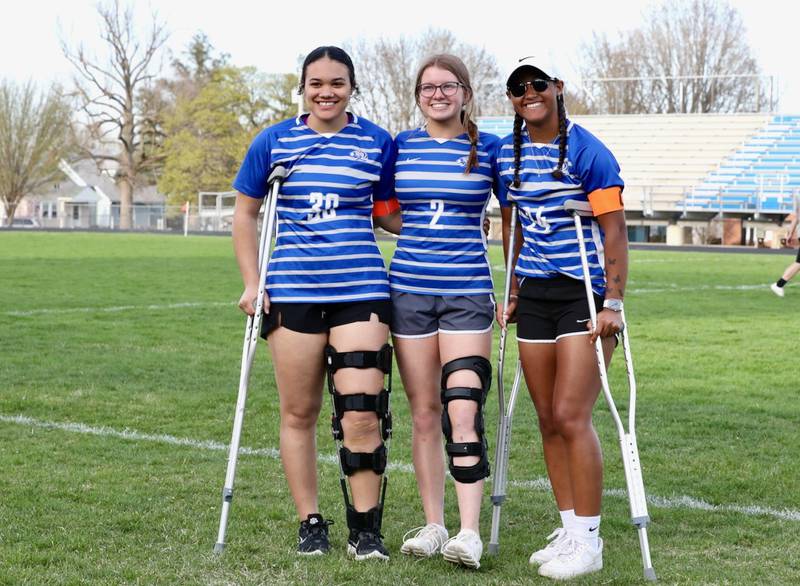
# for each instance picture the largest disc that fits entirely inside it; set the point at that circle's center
(442, 249)
(325, 250)
(591, 173)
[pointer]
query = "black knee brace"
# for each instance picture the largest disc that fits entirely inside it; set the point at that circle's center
(482, 367)
(353, 461)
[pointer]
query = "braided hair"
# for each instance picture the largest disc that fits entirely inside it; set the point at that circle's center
(562, 137)
(517, 147)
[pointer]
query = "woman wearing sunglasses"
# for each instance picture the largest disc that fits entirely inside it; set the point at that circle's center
(442, 303)
(546, 161)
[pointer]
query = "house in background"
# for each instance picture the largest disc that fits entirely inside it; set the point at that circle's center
(85, 197)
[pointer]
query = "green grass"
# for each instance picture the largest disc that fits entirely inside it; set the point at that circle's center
(120, 332)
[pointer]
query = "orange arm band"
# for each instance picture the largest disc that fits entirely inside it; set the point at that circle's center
(384, 208)
(606, 200)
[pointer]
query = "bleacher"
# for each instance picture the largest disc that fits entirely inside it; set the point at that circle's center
(760, 179)
(662, 156)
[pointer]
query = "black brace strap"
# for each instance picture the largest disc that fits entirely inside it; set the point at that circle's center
(380, 359)
(368, 520)
(478, 364)
(354, 461)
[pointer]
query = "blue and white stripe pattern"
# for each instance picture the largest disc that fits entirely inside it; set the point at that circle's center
(550, 240)
(325, 251)
(442, 249)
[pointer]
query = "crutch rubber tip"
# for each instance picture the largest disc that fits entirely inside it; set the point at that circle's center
(650, 574)
(220, 547)
(494, 548)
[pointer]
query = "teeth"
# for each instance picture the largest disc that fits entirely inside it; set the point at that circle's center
(534, 105)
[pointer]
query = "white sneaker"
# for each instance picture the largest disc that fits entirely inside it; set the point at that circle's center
(465, 548)
(777, 290)
(557, 540)
(577, 558)
(426, 542)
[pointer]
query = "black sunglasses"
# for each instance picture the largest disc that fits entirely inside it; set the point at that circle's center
(518, 89)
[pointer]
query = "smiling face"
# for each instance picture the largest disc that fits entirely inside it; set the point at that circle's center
(327, 91)
(539, 109)
(440, 109)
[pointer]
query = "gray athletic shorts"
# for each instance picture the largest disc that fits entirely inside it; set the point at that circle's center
(421, 316)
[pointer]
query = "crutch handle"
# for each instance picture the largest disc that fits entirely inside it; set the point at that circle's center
(279, 173)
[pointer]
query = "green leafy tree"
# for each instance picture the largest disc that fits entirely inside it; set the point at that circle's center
(35, 134)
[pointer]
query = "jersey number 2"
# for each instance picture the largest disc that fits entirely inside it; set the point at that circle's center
(438, 206)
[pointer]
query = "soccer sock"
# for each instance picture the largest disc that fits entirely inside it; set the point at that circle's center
(587, 529)
(781, 282)
(567, 518)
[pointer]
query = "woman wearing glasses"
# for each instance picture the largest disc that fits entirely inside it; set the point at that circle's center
(546, 161)
(442, 304)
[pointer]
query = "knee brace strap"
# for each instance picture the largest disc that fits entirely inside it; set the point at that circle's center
(361, 402)
(354, 461)
(380, 359)
(477, 364)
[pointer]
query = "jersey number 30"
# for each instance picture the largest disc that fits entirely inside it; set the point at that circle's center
(323, 205)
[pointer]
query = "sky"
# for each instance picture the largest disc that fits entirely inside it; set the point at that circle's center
(255, 33)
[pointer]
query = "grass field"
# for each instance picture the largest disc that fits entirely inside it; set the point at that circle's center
(119, 362)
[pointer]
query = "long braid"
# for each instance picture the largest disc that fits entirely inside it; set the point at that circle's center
(562, 137)
(472, 133)
(517, 147)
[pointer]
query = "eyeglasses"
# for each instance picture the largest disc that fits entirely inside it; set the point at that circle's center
(449, 88)
(518, 89)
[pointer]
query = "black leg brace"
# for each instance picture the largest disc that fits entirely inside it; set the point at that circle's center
(483, 368)
(351, 462)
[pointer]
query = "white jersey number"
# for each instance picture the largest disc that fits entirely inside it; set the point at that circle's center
(437, 205)
(323, 205)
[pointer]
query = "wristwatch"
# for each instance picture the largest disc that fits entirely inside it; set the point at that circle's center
(613, 304)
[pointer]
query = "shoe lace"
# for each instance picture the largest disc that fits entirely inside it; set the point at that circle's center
(422, 532)
(556, 538)
(317, 530)
(571, 548)
(460, 536)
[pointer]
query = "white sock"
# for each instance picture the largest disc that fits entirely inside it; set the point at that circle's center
(567, 518)
(587, 529)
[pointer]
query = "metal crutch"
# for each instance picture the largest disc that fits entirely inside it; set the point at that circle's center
(505, 411)
(250, 345)
(630, 451)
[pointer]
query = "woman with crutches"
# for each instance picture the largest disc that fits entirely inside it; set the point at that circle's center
(327, 304)
(443, 308)
(546, 161)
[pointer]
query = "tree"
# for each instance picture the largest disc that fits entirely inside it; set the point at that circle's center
(689, 56)
(35, 134)
(114, 100)
(386, 71)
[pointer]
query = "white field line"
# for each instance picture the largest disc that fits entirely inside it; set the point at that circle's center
(631, 290)
(113, 309)
(539, 484)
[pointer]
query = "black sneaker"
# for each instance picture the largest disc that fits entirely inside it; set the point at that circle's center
(366, 545)
(313, 536)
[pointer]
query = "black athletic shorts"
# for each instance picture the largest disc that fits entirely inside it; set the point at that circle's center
(798, 255)
(318, 318)
(548, 309)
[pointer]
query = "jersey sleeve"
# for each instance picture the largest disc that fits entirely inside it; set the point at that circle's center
(500, 187)
(253, 174)
(599, 172)
(384, 201)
